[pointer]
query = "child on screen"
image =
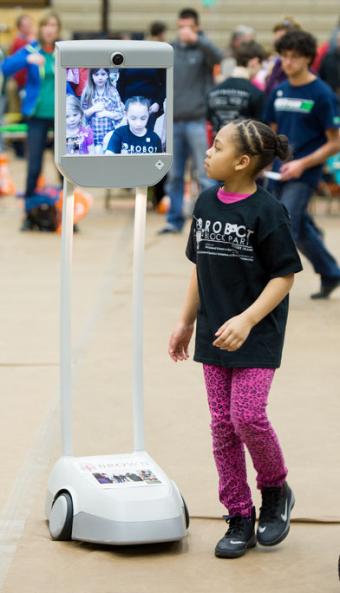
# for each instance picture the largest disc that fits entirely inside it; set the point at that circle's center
(135, 138)
(79, 138)
(102, 105)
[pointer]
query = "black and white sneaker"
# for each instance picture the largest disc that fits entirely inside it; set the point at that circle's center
(274, 520)
(239, 537)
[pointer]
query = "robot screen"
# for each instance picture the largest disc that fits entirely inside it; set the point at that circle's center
(115, 111)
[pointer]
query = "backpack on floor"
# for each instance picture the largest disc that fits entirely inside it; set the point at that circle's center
(44, 217)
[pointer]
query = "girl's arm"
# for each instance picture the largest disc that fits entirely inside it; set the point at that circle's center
(234, 332)
(181, 335)
(115, 115)
(116, 111)
(91, 110)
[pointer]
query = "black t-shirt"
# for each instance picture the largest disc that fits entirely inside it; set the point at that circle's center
(123, 141)
(237, 249)
(234, 98)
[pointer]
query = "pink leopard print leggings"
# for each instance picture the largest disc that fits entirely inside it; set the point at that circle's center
(237, 400)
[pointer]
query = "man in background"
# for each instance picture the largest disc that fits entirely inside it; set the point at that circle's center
(304, 109)
(194, 59)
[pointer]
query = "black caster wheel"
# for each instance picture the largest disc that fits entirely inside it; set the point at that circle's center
(61, 518)
(186, 514)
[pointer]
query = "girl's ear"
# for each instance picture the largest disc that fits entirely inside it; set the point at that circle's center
(243, 162)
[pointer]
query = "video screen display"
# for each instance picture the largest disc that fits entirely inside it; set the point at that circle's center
(115, 111)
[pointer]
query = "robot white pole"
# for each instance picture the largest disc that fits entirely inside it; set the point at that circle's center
(137, 318)
(65, 318)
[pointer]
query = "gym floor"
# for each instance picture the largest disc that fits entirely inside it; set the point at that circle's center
(304, 408)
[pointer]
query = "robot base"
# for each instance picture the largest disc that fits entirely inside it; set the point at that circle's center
(114, 499)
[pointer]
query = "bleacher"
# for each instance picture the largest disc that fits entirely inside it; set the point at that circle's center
(218, 20)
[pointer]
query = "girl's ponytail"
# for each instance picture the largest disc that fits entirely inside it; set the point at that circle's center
(281, 147)
(260, 141)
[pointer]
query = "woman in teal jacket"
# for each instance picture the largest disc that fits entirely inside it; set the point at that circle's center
(38, 102)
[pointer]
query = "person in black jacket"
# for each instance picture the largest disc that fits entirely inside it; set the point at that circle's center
(330, 68)
(236, 97)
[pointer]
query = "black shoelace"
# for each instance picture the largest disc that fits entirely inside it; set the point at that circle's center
(270, 504)
(236, 525)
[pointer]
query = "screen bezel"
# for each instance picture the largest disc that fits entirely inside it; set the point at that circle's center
(118, 170)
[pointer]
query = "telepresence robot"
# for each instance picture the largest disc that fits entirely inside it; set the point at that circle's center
(127, 498)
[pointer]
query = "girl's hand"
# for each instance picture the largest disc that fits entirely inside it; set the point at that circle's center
(154, 108)
(233, 333)
(179, 342)
(99, 106)
(103, 113)
(36, 59)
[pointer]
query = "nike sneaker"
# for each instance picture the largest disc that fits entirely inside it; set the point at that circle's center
(239, 537)
(274, 520)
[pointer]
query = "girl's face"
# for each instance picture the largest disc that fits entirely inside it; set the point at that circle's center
(137, 116)
(114, 75)
(73, 117)
(222, 157)
(100, 77)
(50, 31)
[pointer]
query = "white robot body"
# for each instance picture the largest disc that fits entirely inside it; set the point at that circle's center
(115, 499)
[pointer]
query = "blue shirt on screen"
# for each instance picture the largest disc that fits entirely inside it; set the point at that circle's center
(303, 113)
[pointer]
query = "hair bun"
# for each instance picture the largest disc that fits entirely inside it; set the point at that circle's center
(281, 147)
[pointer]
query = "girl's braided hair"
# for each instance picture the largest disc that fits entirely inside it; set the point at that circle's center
(259, 140)
(137, 99)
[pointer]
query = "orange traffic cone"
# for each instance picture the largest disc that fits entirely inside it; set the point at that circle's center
(7, 187)
(82, 203)
(163, 206)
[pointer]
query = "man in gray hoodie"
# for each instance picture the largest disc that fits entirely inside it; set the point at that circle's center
(194, 58)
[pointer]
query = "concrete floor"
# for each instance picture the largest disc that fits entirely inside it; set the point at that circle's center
(304, 408)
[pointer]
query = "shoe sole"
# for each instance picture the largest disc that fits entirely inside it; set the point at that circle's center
(250, 544)
(317, 296)
(284, 533)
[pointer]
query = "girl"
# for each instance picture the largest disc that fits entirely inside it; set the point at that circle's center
(37, 58)
(79, 138)
(135, 138)
(245, 260)
(102, 105)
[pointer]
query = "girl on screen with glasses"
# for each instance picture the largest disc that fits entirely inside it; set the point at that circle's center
(135, 138)
(102, 105)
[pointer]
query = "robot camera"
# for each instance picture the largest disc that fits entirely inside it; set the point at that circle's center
(117, 58)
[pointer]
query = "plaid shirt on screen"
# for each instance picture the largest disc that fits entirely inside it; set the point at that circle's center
(102, 125)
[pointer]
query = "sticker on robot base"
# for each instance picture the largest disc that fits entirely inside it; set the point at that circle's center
(123, 474)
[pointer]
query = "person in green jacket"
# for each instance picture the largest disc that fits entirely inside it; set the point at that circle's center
(38, 104)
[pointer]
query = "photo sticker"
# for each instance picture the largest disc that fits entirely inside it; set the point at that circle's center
(115, 111)
(118, 474)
